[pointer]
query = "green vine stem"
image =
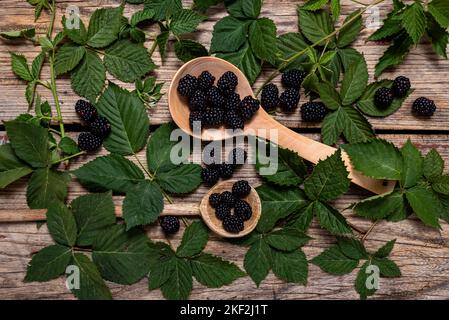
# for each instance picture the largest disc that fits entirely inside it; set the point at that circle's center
(69, 157)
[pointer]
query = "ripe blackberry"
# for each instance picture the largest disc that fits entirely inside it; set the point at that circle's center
(100, 127)
(169, 224)
(228, 199)
(233, 120)
(232, 101)
(227, 82)
(313, 111)
(424, 107)
(198, 101)
(86, 110)
(383, 98)
(401, 85)
(270, 97)
(213, 116)
(89, 142)
(289, 99)
(241, 189)
(233, 224)
(248, 107)
(293, 78)
(205, 80)
(214, 200)
(210, 176)
(195, 116)
(215, 98)
(222, 211)
(187, 85)
(243, 209)
(237, 156)
(226, 170)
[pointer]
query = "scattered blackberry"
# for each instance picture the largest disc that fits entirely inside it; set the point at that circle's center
(243, 209)
(195, 116)
(214, 200)
(205, 80)
(233, 120)
(210, 176)
(209, 157)
(226, 170)
(241, 189)
(187, 85)
(100, 127)
(424, 107)
(228, 198)
(213, 116)
(198, 100)
(169, 224)
(270, 97)
(313, 111)
(215, 98)
(401, 85)
(233, 224)
(293, 78)
(289, 99)
(383, 98)
(232, 101)
(237, 156)
(86, 110)
(222, 211)
(227, 82)
(248, 107)
(89, 142)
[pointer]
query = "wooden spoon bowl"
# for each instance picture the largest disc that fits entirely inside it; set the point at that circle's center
(216, 225)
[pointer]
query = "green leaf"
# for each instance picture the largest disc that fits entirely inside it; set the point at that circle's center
(328, 180)
(439, 37)
(313, 5)
(214, 272)
(335, 9)
(354, 82)
(316, 25)
(88, 78)
(93, 213)
(425, 204)
(128, 61)
(187, 50)
(287, 239)
(104, 27)
(161, 272)
(262, 37)
(387, 268)
(36, 65)
(391, 27)
(395, 54)
(128, 118)
(194, 240)
(77, 35)
(11, 167)
(251, 9)
(332, 126)
(349, 57)
(349, 33)
(112, 172)
(289, 44)
(163, 8)
(39, 6)
(356, 127)
(182, 179)
(159, 149)
(334, 261)
(120, 256)
(46, 187)
(68, 57)
(385, 250)
(331, 220)
(48, 264)
(162, 41)
(441, 185)
(91, 285)
(378, 159)
(68, 146)
(414, 21)
(362, 280)
(20, 66)
(141, 16)
(381, 206)
(179, 285)
(413, 165)
(433, 165)
(143, 204)
(185, 21)
(258, 261)
(352, 248)
(439, 9)
(303, 219)
(235, 8)
(19, 34)
(290, 266)
(61, 224)
(205, 4)
(229, 35)
(329, 96)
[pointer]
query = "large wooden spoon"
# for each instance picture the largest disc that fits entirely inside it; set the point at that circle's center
(308, 149)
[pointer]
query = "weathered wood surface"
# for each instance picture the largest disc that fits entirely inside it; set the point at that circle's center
(421, 253)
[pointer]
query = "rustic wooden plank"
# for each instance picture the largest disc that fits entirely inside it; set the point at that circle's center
(425, 69)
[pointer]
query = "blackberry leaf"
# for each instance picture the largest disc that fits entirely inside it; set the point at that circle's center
(354, 82)
(433, 165)
(334, 261)
(381, 206)
(258, 261)
(194, 240)
(187, 50)
(104, 26)
(262, 37)
(61, 224)
(425, 204)
(45, 187)
(439, 9)
(185, 21)
(316, 26)
(182, 179)
(414, 21)
(49, 263)
(290, 266)
(11, 167)
(331, 220)
(88, 78)
(229, 35)
(287, 239)
(395, 54)
(349, 33)
(413, 165)
(68, 57)
(179, 284)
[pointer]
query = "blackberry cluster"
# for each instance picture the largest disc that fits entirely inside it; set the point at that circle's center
(383, 98)
(241, 189)
(218, 105)
(401, 85)
(313, 111)
(293, 78)
(424, 107)
(225, 170)
(289, 99)
(270, 97)
(99, 127)
(233, 224)
(169, 224)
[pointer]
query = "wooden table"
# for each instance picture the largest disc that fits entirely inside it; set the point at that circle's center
(421, 253)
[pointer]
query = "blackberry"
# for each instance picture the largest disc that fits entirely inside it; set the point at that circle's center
(205, 80)
(213, 116)
(241, 189)
(424, 107)
(222, 211)
(228, 199)
(214, 200)
(209, 158)
(401, 85)
(169, 224)
(89, 142)
(248, 107)
(233, 224)
(243, 209)
(187, 85)
(198, 101)
(293, 78)
(210, 176)
(289, 99)
(100, 127)
(227, 82)
(226, 170)
(270, 97)
(383, 98)
(215, 98)
(233, 120)
(86, 110)
(313, 111)
(195, 116)
(232, 101)
(237, 156)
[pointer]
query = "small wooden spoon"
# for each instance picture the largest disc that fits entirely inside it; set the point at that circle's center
(308, 149)
(216, 225)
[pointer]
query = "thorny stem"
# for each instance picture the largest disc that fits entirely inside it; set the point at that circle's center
(55, 93)
(355, 228)
(153, 48)
(184, 221)
(52, 19)
(69, 157)
(369, 231)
